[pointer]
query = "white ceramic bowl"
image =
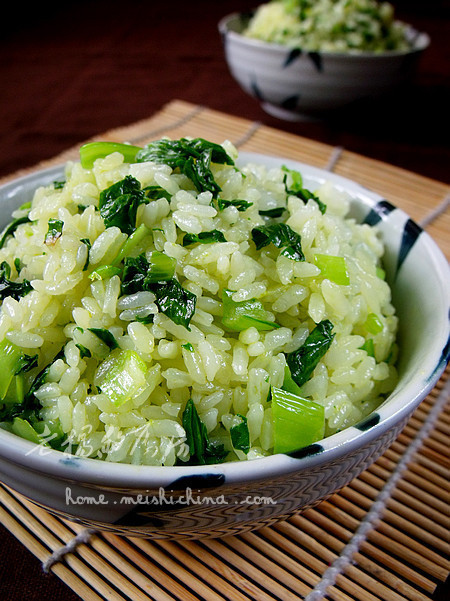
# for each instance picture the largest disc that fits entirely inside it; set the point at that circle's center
(193, 502)
(291, 84)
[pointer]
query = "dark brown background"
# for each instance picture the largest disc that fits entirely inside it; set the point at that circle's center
(73, 70)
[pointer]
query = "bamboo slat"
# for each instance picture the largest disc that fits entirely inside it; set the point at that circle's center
(405, 553)
(319, 529)
(407, 520)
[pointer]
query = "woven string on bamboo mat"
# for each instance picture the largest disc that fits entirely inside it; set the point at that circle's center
(384, 537)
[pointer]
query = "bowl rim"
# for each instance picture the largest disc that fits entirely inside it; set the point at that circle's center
(421, 41)
(396, 408)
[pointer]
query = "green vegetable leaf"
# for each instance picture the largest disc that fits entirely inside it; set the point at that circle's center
(155, 192)
(105, 336)
(26, 363)
(87, 242)
(54, 232)
(369, 347)
(41, 376)
(11, 228)
(192, 157)
(118, 204)
(202, 451)
(295, 176)
(273, 213)
(306, 195)
(18, 265)
(84, 352)
(218, 153)
(241, 205)
(304, 360)
(156, 276)
(282, 236)
(199, 172)
(140, 273)
(204, 238)
(146, 319)
(30, 407)
(9, 288)
(288, 383)
(296, 189)
(134, 274)
(240, 436)
(175, 302)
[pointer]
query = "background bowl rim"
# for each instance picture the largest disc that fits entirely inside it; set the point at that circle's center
(16, 450)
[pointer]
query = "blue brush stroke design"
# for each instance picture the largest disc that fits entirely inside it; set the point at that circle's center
(255, 90)
(197, 481)
(138, 518)
(290, 103)
(292, 56)
(368, 422)
(411, 233)
(380, 211)
(316, 59)
(443, 360)
(72, 461)
(309, 451)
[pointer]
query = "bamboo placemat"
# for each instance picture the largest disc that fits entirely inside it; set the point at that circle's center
(384, 537)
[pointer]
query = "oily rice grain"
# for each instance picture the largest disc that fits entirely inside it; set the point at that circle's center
(226, 373)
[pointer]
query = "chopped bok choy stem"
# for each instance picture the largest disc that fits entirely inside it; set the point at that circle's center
(10, 360)
(333, 268)
(25, 430)
(92, 151)
(131, 242)
(297, 422)
(373, 324)
(121, 376)
(104, 272)
(161, 267)
(241, 315)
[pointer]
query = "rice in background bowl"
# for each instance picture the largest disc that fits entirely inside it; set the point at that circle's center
(330, 25)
